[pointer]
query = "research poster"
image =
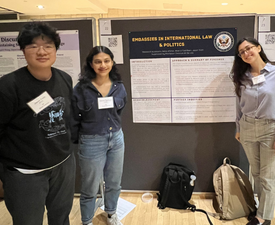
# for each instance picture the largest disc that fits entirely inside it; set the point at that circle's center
(182, 76)
(67, 56)
(267, 40)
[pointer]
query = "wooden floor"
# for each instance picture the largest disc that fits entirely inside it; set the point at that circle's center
(145, 213)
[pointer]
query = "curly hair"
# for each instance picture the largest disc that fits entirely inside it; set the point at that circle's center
(88, 72)
(37, 29)
(240, 67)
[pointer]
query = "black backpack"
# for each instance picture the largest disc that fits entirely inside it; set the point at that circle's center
(176, 188)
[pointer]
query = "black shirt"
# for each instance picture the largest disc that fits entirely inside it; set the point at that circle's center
(30, 140)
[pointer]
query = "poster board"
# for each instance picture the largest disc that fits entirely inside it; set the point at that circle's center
(150, 147)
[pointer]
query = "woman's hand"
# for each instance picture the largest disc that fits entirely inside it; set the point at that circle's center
(237, 136)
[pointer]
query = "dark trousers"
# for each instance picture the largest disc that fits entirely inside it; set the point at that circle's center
(26, 195)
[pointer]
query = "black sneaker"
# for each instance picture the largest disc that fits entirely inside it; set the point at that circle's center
(267, 222)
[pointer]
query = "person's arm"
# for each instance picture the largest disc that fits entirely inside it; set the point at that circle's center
(238, 117)
(124, 93)
(75, 120)
(237, 136)
(6, 111)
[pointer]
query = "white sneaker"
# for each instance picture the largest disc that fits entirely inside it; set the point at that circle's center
(113, 220)
(89, 224)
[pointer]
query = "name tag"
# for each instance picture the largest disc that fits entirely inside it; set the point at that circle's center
(259, 79)
(105, 102)
(41, 102)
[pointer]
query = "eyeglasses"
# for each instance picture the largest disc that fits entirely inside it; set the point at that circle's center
(247, 49)
(49, 48)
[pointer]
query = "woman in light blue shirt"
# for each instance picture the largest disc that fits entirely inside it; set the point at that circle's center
(254, 80)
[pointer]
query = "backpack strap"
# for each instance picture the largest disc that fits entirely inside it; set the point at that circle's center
(225, 197)
(164, 197)
(190, 206)
(246, 188)
(201, 210)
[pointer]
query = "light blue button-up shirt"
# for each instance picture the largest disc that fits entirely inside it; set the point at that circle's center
(257, 101)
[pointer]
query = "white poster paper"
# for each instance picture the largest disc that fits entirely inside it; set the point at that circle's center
(105, 27)
(182, 90)
(202, 77)
(182, 76)
(150, 78)
(114, 43)
(203, 110)
(11, 57)
(264, 23)
(67, 56)
(123, 208)
(151, 110)
(267, 40)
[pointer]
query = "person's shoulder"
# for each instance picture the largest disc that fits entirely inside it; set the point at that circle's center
(118, 82)
(10, 78)
(120, 86)
(63, 74)
(58, 71)
(11, 82)
(7, 78)
(80, 86)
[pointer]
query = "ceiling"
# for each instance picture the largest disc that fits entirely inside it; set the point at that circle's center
(51, 7)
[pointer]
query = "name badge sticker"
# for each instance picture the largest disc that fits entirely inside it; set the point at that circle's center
(105, 102)
(41, 102)
(259, 79)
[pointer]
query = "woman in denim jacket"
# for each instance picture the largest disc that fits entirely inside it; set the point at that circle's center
(97, 102)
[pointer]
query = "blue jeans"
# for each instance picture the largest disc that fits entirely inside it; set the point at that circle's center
(100, 156)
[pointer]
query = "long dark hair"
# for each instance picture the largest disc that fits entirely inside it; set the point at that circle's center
(240, 67)
(88, 72)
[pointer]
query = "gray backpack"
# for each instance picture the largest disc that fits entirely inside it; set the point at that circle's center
(234, 196)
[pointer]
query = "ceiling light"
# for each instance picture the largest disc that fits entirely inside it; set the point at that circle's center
(40, 7)
(225, 3)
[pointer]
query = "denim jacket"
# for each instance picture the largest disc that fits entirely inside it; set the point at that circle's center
(87, 118)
